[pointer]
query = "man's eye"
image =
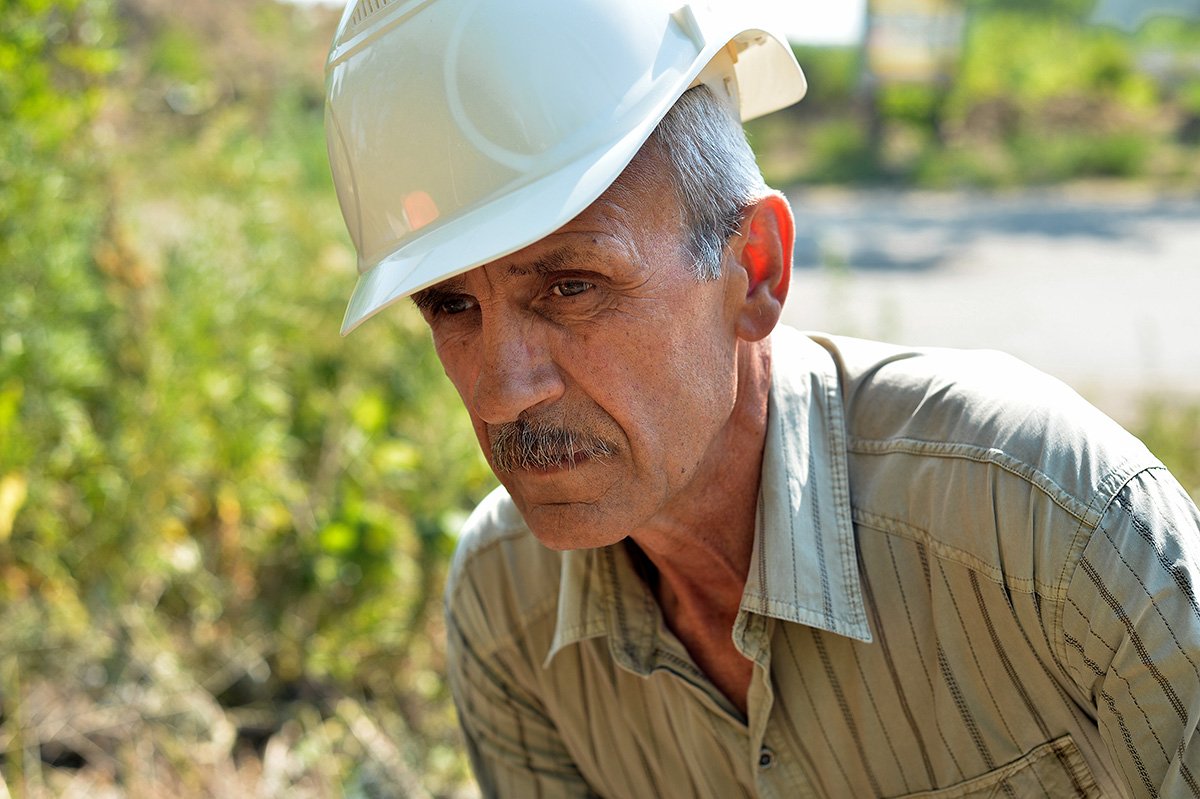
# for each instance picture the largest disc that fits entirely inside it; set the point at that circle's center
(570, 288)
(454, 305)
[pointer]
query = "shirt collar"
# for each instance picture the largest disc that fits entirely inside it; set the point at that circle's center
(804, 565)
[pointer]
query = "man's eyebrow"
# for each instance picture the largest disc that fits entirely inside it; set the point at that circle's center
(430, 297)
(554, 261)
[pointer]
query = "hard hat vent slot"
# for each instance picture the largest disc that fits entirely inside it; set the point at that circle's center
(367, 10)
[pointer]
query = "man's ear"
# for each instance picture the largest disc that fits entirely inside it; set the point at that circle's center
(763, 250)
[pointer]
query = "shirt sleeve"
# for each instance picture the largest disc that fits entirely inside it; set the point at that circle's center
(1131, 627)
(514, 747)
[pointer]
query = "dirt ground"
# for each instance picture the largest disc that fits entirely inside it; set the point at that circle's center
(1097, 286)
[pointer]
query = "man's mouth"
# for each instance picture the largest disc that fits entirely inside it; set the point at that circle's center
(551, 463)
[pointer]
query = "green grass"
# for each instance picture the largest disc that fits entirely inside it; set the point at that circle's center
(1172, 432)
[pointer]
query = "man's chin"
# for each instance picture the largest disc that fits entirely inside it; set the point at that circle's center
(572, 526)
(572, 509)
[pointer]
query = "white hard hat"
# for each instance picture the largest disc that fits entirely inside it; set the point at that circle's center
(463, 130)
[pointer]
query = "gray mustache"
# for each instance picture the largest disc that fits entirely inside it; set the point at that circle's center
(538, 445)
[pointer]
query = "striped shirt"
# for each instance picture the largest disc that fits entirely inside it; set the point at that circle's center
(965, 582)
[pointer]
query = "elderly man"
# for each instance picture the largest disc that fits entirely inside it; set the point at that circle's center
(729, 559)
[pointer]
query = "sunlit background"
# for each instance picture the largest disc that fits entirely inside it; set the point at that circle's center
(224, 530)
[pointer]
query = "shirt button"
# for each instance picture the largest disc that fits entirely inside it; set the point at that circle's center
(766, 758)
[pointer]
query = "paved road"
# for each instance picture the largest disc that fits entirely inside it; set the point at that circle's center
(1101, 289)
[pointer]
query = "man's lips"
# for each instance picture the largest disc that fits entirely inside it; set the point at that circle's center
(564, 463)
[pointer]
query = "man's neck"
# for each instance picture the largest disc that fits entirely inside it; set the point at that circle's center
(701, 547)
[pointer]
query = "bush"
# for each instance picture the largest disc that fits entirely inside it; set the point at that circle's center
(840, 151)
(832, 73)
(1171, 430)
(1115, 155)
(223, 530)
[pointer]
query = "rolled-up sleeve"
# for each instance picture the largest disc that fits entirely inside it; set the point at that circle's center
(1131, 633)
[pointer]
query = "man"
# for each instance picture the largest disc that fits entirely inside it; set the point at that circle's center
(728, 559)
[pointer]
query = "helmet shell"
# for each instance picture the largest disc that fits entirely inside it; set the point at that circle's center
(463, 130)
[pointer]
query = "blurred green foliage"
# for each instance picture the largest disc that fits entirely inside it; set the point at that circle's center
(223, 529)
(1038, 96)
(832, 73)
(1172, 432)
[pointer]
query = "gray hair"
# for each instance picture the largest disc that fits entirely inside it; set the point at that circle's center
(713, 170)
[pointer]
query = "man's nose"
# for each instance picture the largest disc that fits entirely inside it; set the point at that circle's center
(517, 372)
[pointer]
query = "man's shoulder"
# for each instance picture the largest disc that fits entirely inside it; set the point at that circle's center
(501, 578)
(978, 404)
(947, 444)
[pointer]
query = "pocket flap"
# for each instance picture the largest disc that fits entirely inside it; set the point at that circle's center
(1056, 768)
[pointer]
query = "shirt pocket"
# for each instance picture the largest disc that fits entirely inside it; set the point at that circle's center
(1056, 768)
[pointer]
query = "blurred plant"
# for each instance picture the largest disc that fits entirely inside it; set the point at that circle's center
(1039, 96)
(223, 530)
(832, 73)
(1172, 432)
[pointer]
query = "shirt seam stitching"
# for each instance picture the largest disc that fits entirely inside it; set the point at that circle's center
(958, 451)
(945, 552)
(1071, 568)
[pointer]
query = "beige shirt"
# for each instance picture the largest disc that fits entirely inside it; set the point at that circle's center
(965, 582)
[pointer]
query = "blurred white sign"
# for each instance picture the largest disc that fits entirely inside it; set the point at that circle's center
(914, 40)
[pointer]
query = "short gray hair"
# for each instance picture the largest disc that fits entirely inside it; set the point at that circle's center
(713, 171)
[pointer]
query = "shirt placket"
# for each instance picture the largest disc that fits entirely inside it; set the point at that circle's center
(777, 769)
